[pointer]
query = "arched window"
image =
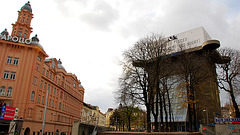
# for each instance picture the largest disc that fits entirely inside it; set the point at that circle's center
(9, 92)
(32, 96)
(2, 91)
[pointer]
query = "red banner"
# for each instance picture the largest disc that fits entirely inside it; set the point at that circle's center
(10, 109)
(9, 116)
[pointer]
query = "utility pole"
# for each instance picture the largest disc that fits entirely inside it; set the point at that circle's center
(45, 111)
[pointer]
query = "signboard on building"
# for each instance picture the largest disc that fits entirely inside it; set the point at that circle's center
(187, 40)
(8, 112)
(16, 39)
(221, 120)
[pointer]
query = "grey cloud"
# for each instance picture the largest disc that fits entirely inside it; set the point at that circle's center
(65, 10)
(102, 16)
(179, 16)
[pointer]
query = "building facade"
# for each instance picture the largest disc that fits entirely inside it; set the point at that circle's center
(108, 114)
(29, 82)
(91, 115)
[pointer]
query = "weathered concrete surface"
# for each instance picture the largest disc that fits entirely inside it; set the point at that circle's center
(152, 133)
(227, 129)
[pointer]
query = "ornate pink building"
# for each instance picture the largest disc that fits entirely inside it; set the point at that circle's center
(28, 78)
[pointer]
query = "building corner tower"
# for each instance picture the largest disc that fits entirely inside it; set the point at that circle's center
(22, 27)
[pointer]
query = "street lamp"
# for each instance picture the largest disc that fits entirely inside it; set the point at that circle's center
(45, 112)
(54, 120)
(205, 110)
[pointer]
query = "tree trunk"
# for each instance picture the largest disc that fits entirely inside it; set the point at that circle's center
(235, 104)
(129, 123)
(166, 114)
(161, 113)
(155, 114)
(169, 110)
(148, 118)
(189, 98)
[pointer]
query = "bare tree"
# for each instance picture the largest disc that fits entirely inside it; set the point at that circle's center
(229, 75)
(144, 56)
(127, 102)
(195, 72)
(116, 119)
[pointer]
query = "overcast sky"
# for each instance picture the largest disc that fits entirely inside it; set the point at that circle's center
(89, 36)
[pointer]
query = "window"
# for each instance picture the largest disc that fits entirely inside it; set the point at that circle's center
(2, 91)
(32, 96)
(43, 71)
(23, 19)
(47, 73)
(43, 100)
(12, 75)
(54, 91)
(39, 58)
(5, 75)
(51, 89)
(48, 87)
(25, 35)
(50, 76)
(15, 61)
(9, 60)
(53, 103)
(39, 98)
(37, 67)
(9, 92)
(45, 85)
(19, 33)
(35, 80)
(59, 107)
(49, 102)
(41, 83)
(61, 94)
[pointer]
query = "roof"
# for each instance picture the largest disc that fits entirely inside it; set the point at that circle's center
(35, 41)
(27, 6)
(60, 65)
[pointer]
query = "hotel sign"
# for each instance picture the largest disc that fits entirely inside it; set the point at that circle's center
(187, 40)
(16, 39)
(8, 112)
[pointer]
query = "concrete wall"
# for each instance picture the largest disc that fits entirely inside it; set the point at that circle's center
(233, 129)
(85, 129)
(221, 129)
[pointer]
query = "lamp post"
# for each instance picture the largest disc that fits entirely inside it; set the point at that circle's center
(45, 111)
(205, 110)
(54, 121)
